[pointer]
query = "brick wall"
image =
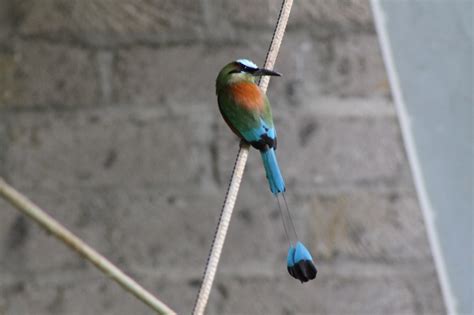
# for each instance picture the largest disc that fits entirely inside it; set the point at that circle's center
(109, 121)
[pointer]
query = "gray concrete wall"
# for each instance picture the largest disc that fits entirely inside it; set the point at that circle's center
(108, 120)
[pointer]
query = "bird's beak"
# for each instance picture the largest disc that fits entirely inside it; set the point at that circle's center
(261, 72)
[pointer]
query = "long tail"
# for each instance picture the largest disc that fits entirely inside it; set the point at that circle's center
(277, 186)
(300, 264)
(275, 180)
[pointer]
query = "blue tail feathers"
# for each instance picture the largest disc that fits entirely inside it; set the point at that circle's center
(275, 180)
(300, 264)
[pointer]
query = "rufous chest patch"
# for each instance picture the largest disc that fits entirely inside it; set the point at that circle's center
(247, 95)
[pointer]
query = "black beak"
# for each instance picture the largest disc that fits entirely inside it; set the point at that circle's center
(261, 72)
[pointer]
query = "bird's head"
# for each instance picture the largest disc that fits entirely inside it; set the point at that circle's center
(241, 70)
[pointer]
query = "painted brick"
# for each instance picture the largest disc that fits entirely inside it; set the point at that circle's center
(332, 17)
(41, 75)
(105, 23)
(427, 292)
(325, 17)
(6, 21)
(343, 67)
(332, 151)
(367, 226)
(329, 294)
(3, 146)
(85, 293)
(353, 67)
(248, 13)
(174, 75)
(129, 147)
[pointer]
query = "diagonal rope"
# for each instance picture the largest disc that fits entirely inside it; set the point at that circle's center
(27, 207)
(234, 185)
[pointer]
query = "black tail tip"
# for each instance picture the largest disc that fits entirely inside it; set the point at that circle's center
(304, 270)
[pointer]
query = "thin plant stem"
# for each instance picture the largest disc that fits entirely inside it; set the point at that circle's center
(25, 206)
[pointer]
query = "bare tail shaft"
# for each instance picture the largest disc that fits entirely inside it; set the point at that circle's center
(287, 220)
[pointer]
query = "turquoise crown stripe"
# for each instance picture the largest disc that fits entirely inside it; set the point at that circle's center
(247, 63)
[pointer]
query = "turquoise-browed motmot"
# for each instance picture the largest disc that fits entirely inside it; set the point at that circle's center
(247, 111)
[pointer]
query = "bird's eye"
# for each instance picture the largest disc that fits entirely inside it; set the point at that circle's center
(243, 69)
(248, 69)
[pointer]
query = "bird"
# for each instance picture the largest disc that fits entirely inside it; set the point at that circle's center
(247, 111)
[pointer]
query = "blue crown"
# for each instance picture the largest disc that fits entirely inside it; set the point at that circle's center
(247, 63)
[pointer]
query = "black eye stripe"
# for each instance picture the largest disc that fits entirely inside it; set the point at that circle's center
(248, 69)
(244, 68)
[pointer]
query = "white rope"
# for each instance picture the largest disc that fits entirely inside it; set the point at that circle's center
(27, 207)
(233, 189)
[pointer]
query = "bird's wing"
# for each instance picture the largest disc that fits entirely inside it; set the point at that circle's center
(237, 117)
(253, 123)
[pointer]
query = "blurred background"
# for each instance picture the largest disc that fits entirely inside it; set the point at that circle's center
(109, 121)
